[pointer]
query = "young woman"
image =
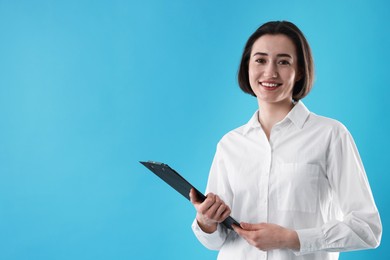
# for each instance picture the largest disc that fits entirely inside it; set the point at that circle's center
(292, 178)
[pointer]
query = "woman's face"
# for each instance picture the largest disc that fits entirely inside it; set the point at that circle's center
(273, 68)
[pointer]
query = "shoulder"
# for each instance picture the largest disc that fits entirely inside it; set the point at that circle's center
(233, 134)
(325, 121)
(233, 138)
(326, 125)
(240, 133)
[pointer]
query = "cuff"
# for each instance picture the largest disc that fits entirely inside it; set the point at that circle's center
(213, 241)
(311, 240)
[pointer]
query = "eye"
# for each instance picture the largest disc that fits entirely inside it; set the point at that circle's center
(284, 62)
(260, 61)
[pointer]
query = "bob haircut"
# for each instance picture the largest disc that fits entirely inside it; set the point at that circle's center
(305, 58)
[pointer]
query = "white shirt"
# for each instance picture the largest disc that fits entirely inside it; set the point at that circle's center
(308, 177)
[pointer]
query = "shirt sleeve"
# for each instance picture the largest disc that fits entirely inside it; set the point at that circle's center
(359, 226)
(218, 184)
(213, 241)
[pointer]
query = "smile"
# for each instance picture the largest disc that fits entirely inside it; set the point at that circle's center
(270, 85)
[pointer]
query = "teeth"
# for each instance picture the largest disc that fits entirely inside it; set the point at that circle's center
(270, 85)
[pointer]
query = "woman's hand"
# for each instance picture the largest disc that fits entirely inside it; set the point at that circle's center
(210, 212)
(266, 236)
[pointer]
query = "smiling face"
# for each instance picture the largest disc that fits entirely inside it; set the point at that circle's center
(273, 68)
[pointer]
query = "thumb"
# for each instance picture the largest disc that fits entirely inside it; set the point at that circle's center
(251, 227)
(194, 197)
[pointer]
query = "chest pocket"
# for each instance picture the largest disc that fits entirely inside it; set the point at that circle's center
(297, 187)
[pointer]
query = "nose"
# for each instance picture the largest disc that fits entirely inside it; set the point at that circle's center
(270, 71)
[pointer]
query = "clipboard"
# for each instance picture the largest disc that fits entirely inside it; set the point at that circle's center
(181, 185)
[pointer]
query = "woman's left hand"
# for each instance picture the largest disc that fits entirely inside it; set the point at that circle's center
(267, 236)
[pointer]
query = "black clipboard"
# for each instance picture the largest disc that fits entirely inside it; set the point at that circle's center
(181, 185)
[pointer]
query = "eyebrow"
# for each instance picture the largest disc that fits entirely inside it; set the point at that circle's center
(277, 55)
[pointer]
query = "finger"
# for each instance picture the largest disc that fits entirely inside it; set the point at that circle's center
(251, 227)
(235, 226)
(223, 212)
(194, 197)
(218, 203)
(241, 232)
(212, 211)
(226, 213)
(208, 202)
(218, 213)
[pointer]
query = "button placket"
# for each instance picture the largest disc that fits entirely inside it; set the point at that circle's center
(264, 184)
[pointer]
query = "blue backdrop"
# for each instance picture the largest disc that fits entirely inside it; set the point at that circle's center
(89, 88)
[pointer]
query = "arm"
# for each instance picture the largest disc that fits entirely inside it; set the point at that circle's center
(267, 236)
(210, 212)
(206, 228)
(359, 226)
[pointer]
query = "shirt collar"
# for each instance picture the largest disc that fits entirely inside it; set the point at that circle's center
(252, 123)
(298, 116)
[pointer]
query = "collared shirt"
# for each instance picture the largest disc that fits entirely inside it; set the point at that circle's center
(308, 177)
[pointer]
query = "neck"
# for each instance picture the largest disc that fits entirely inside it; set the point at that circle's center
(272, 113)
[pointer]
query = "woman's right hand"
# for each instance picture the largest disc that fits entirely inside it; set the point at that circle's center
(210, 212)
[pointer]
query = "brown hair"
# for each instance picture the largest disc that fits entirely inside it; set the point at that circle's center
(305, 58)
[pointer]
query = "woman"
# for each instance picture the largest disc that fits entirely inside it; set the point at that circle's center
(294, 179)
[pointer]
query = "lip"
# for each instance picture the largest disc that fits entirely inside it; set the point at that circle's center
(270, 85)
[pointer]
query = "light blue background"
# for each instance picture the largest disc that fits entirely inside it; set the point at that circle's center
(89, 88)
